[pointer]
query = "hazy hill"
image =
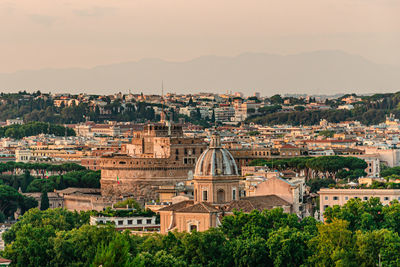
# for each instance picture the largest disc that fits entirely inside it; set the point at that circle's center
(322, 72)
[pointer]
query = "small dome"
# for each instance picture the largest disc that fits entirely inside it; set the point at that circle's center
(216, 161)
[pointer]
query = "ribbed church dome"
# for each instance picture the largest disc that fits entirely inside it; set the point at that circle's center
(216, 161)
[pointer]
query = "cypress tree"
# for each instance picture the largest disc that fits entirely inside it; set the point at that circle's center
(61, 185)
(26, 180)
(44, 201)
(15, 182)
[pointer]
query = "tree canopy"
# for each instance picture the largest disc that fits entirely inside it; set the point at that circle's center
(357, 234)
(34, 128)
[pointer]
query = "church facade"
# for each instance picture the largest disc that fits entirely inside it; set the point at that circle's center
(216, 193)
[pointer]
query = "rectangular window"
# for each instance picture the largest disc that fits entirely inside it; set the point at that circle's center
(346, 198)
(205, 196)
(335, 198)
(139, 221)
(120, 222)
(130, 221)
(386, 198)
(365, 198)
(233, 194)
(148, 221)
(326, 198)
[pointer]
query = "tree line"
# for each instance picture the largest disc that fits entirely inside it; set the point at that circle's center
(48, 178)
(370, 110)
(357, 234)
(328, 166)
(34, 128)
(40, 107)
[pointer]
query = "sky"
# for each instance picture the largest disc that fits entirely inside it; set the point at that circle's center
(87, 33)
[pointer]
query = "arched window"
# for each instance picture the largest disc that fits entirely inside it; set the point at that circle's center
(234, 193)
(220, 196)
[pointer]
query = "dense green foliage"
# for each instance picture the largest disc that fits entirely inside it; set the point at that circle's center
(387, 172)
(84, 179)
(326, 133)
(47, 176)
(44, 201)
(109, 212)
(370, 110)
(129, 203)
(40, 107)
(316, 184)
(11, 200)
(34, 128)
(357, 234)
(330, 166)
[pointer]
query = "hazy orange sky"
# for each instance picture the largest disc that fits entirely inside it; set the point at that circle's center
(85, 33)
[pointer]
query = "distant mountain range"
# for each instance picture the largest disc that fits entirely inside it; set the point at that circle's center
(320, 72)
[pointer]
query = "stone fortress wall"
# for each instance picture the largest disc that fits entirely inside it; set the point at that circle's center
(158, 155)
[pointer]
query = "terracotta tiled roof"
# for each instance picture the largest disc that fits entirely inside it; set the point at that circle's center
(178, 206)
(202, 207)
(74, 190)
(258, 202)
(330, 141)
(189, 206)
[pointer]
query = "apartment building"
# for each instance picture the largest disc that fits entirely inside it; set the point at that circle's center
(330, 197)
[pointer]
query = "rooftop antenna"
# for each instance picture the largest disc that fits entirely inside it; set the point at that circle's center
(162, 115)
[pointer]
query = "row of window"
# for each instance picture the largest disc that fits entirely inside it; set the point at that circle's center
(189, 160)
(289, 154)
(261, 153)
(130, 222)
(205, 194)
(363, 198)
(188, 151)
